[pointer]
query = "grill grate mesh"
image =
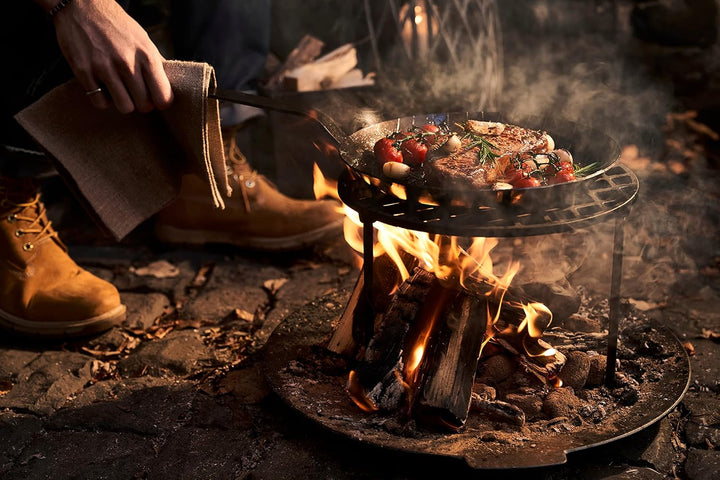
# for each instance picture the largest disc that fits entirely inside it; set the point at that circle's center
(589, 201)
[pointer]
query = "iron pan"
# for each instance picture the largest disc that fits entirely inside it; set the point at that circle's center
(327, 404)
(587, 145)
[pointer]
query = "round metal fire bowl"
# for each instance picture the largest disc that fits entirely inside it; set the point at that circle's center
(322, 398)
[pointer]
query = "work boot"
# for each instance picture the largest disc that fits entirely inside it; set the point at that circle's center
(256, 216)
(42, 290)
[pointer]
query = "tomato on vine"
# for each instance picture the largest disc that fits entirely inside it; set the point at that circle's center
(386, 151)
(413, 152)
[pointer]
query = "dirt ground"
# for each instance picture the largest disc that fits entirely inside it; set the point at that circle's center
(179, 391)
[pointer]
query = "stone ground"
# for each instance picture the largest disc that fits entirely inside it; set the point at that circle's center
(178, 390)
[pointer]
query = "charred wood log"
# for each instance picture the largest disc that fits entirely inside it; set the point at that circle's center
(383, 358)
(385, 278)
(498, 409)
(450, 364)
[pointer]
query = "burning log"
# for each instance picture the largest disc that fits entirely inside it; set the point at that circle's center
(384, 354)
(451, 362)
(385, 278)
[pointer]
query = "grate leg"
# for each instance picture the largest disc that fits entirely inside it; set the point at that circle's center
(616, 279)
(367, 329)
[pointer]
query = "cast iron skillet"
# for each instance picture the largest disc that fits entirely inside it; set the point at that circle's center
(586, 144)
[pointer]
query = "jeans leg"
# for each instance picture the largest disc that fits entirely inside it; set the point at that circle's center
(231, 35)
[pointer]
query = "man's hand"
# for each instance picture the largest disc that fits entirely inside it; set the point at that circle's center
(108, 49)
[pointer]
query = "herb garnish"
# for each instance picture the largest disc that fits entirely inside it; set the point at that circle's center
(485, 153)
(587, 169)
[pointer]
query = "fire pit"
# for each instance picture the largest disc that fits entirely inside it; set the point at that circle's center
(447, 364)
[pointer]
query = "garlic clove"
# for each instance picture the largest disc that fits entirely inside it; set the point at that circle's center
(395, 169)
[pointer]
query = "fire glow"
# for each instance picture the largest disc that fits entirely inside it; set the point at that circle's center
(457, 264)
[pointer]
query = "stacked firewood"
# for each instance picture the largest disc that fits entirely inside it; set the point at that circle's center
(304, 70)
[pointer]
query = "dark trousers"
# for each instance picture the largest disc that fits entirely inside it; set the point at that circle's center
(231, 35)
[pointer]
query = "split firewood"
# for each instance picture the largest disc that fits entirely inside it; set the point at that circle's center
(323, 72)
(498, 409)
(450, 364)
(384, 353)
(358, 310)
(354, 78)
(307, 50)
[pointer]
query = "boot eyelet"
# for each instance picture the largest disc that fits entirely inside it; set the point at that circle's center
(250, 183)
(19, 233)
(11, 218)
(28, 246)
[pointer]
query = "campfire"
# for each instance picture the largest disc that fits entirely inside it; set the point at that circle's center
(433, 328)
(440, 348)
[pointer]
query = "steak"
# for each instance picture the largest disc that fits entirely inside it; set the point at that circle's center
(470, 167)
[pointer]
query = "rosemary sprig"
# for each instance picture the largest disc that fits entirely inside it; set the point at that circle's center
(587, 169)
(485, 153)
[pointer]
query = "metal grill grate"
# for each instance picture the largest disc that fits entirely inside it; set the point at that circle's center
(593, 200)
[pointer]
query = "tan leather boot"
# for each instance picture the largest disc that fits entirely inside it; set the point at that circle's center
(257, 216)
(42, 290)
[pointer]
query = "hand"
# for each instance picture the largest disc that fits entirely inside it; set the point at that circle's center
(107, 48)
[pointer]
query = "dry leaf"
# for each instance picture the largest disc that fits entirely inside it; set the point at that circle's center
(689, 348)
(274, 285)
(644, 306)
(157, 269)
(710, 335)
(5, 387)
(244, 315)
(202, 275)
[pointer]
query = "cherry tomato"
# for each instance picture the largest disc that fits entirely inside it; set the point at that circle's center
(566, 166)
(413, 152)
(430, 128)
(526, 182)
(385, 151)
(561, 177)
(514, 173)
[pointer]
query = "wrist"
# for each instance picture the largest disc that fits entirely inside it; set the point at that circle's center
(58, 7)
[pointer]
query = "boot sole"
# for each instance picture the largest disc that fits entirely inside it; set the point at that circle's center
(181, 236)
(51, 328)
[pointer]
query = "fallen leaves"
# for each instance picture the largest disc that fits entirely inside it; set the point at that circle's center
(202, 276)
(645, 306)
(274, 285)
(710, 335)
(157, 269)
(128, 344)
(5, 387)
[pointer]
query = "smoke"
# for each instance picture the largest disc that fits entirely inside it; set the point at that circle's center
(576, 61)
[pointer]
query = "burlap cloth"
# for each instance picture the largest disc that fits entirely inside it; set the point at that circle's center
(125, 168)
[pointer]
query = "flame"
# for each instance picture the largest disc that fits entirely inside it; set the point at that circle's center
(358, 395)
(537, 318)
(457, 263)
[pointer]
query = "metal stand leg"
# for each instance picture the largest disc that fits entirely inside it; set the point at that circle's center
(368, 243)
(616, 280)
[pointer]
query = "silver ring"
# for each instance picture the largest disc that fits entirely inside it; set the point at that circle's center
(97, 90)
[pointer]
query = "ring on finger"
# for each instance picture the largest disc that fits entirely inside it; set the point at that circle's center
(96, 90)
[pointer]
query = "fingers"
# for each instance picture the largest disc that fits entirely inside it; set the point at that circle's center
(98, 99)
(156, 79)
(141, 89)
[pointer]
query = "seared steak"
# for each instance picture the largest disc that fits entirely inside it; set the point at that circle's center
(476, 165)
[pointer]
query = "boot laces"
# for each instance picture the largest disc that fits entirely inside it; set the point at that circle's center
(37, 226)
(238, 167)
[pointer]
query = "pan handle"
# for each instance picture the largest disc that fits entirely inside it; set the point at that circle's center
(324, 120)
